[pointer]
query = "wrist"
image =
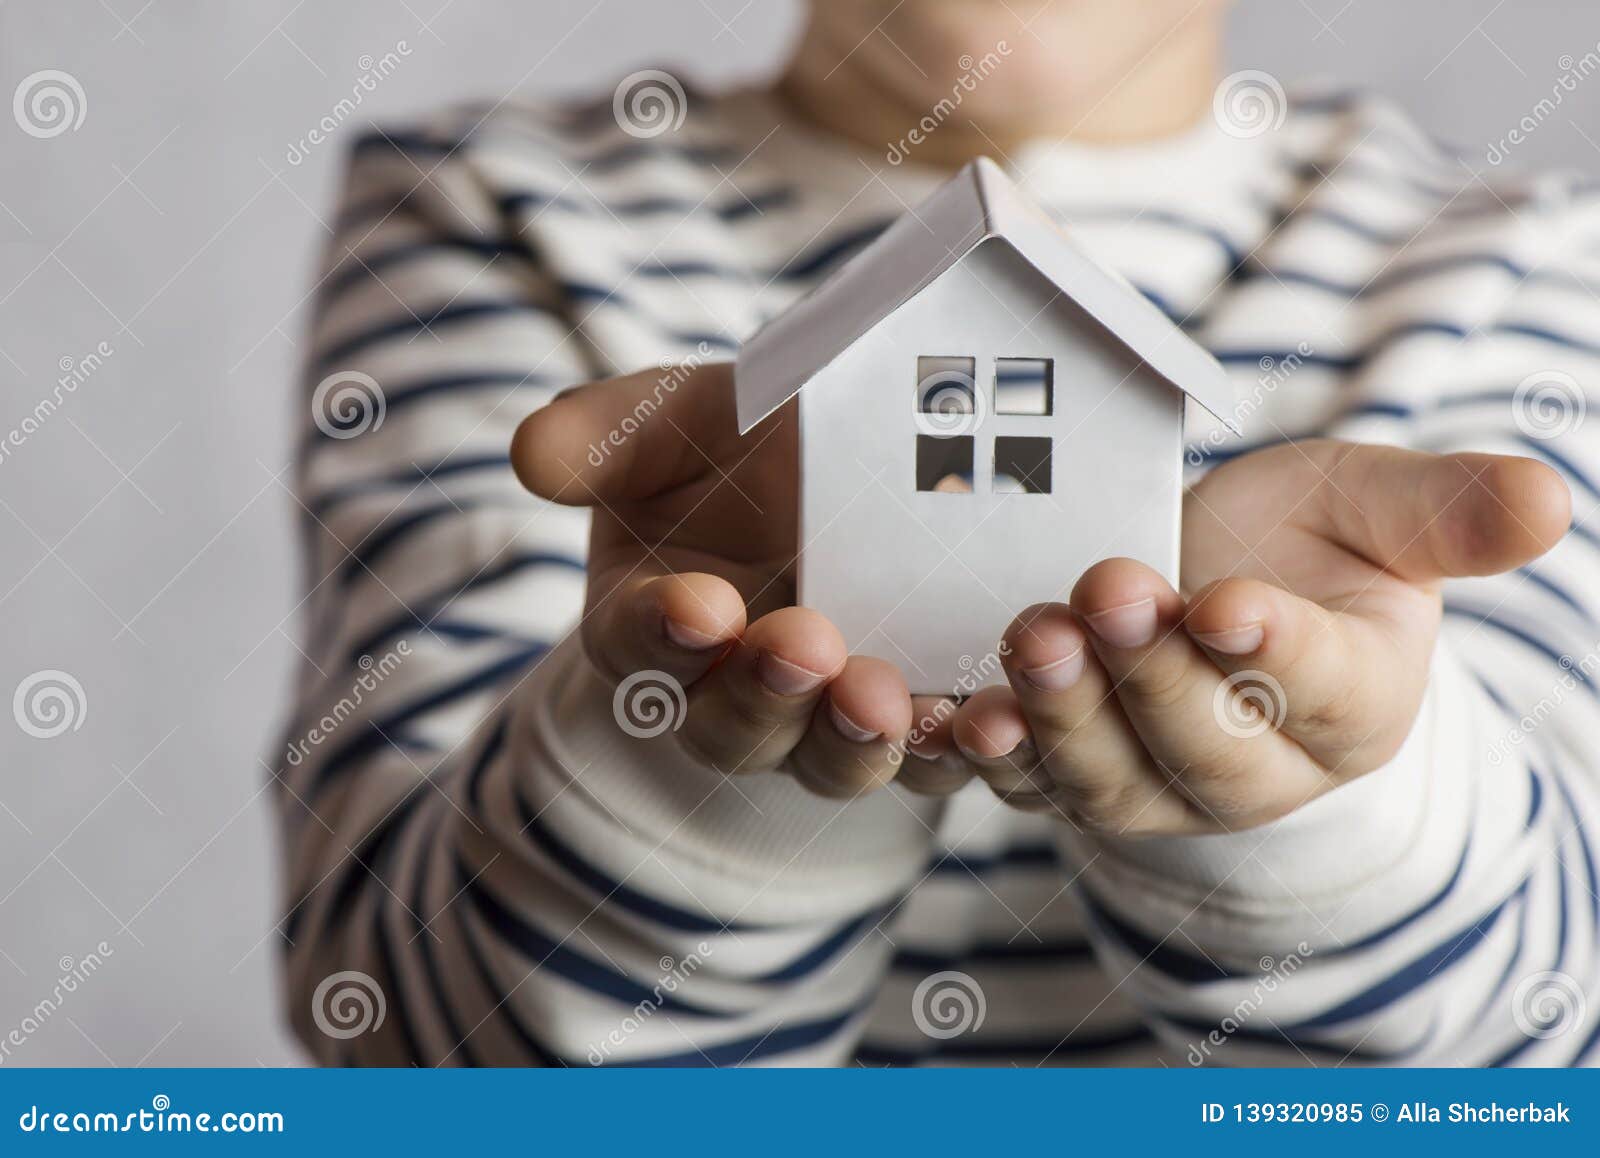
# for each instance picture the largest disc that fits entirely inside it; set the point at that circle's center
(758, 845)
(1343, 868)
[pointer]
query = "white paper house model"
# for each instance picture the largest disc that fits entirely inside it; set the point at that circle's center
(985, 412)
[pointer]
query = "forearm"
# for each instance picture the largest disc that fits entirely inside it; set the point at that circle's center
(593, 898)
(1391, 920)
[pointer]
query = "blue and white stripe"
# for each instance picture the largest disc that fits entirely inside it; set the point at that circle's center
(522, 881)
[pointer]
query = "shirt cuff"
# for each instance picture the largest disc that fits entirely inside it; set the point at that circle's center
(1353, 862)
(758, 846)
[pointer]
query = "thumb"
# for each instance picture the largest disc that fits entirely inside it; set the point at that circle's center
(627, 438)
(1427, 517)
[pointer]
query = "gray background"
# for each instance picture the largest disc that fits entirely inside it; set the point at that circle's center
(145, 538)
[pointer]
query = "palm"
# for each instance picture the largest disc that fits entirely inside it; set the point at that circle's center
(730, 510)
(1311, 569)
(1264, 516)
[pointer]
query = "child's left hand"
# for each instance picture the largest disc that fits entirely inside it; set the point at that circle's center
(1315, 570)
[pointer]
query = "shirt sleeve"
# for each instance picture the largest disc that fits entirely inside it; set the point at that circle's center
(1443, 910)
(483, 867)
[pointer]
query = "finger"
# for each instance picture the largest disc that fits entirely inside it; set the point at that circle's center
(934, 766)
(626, 438)
(856, 740)
(1168, 690)
(1427, 517)
(750, 711)
(1085, 742)
(1340, 685)
(992, 733)
(678, 624)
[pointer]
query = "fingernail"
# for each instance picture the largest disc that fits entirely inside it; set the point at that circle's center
(1239, 641)
(785, 678)
(1131, 625)
(1057, 676)
(687, 637)
(848, 728)
(995, 737)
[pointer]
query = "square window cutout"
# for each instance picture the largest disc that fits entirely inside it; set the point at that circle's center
(944, 464)
(947, 387)
(1021, 466)
(1024, 385)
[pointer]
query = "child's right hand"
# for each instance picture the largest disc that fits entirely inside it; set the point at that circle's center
(691, 573)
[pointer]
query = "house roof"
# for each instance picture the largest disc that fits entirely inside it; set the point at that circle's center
(978, 204)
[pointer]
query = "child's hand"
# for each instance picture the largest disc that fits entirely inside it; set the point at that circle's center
(1315, 569)
(691, 556)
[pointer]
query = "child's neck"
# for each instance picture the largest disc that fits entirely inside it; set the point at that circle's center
(1166, 93)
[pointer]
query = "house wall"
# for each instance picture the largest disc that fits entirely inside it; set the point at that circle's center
(930, 580)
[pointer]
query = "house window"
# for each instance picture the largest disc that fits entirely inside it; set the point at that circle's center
(947, 395)
(944, 463)
(1021, 465)
(1024, 386)
(950, 409)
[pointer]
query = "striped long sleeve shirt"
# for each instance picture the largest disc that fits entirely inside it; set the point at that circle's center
(509, 878)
